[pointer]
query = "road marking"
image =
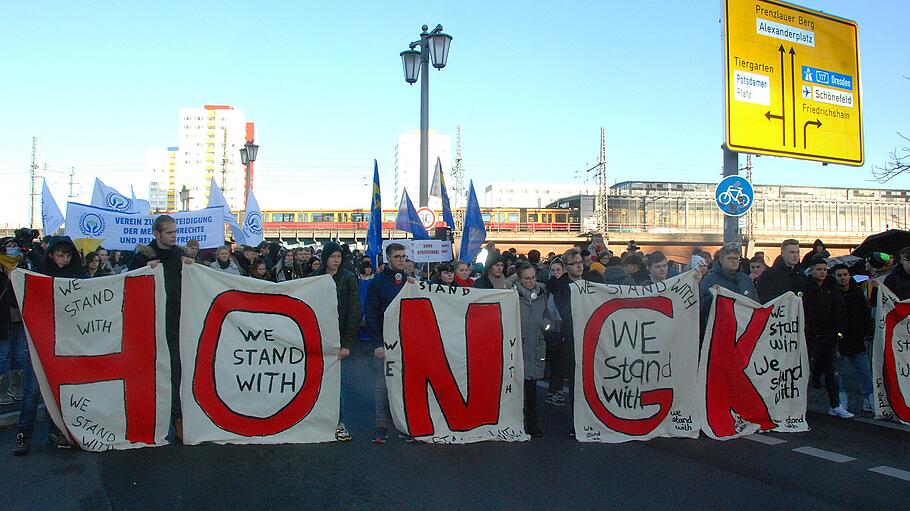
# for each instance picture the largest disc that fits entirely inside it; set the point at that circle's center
(765, 439)
(823, 454)
(891, 471)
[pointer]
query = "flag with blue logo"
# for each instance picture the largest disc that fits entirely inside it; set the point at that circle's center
(439, 190)
(252, 222)
(408, 220)
(51, 217)
(216, 198)
(106, 197)
(473, 234)
(374, 231)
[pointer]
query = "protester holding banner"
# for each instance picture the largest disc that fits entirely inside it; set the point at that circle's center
(13, 346)
(784, 276)
(562, 296)
(898, 281)
(224, 261)
(62, 261)
(825, 311)
(348, 314)
(658, 268)
(383, 289)
(858, 325)
(165, 251)
(535, 321)
(445, 275)
(725, 273)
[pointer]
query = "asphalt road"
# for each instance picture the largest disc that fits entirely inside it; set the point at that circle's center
(549, 473)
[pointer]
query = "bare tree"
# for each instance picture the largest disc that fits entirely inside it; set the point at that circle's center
(898, 163)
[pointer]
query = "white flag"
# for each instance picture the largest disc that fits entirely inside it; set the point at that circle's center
(51, 217)
(252, 222)
(143, 207)
(104, 196)
(216, 198)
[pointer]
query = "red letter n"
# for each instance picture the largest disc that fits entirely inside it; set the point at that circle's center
(728, 388)
(424, 364)
(134, 364)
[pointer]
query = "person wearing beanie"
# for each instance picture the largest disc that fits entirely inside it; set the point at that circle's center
(493, 275)
(898, 281)
(348, 293)
(818, 247)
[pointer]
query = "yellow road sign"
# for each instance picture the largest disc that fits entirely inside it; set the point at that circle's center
(792, 82)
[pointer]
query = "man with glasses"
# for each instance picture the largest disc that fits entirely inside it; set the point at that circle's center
(725, 273)
(563, 297)
(384, 287)
(899, 279)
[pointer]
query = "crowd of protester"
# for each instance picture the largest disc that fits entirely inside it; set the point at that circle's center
(836, 301)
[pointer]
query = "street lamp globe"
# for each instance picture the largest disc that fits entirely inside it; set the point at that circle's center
(439, 49)
(410, 61)
(244, 156)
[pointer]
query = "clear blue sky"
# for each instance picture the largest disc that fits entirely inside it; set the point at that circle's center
(531, 83)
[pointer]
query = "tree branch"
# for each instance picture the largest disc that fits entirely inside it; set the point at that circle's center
(898, 163)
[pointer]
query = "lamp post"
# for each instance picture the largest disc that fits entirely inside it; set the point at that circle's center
(434, 46)
(248, 154)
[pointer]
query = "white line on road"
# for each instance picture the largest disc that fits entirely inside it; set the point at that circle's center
(891, 471)
(823, 454)
(765, 439)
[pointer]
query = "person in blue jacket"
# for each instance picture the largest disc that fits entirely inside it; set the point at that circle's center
(383, 289)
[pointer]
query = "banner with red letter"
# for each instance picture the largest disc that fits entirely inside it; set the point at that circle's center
(100, 355)
(891, 357)
(260, 360)
(636, 351)
(453, 364)
(754, 367)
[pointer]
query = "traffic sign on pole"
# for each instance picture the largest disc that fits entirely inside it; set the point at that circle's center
(427, 217)
(734, 196)
(792, 82)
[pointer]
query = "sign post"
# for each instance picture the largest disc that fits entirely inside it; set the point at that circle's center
(792, 82)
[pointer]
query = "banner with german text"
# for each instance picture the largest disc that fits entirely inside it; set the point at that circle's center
(636, 353)
(891, 357)
(260, 359)
(754, 368)
(100, 355)
(453, 364)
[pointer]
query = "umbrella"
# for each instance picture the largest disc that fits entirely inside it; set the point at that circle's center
(849, 260)
(890, 242)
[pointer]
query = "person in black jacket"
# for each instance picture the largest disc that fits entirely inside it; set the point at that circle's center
(858, 323)
(562, 297)
(164, 250)
(62, 260)
(825, 310)
(784, 276)
(898, 281)
(348, 291)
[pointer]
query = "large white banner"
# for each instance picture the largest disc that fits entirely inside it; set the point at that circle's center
(891, 357)
(260, 360)
(754, 368)
(123, 231)
(636, 351)
(100, 355)
(453, 364)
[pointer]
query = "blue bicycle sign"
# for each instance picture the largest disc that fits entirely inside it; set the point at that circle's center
(734, 196)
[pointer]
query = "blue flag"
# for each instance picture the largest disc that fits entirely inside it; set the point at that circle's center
(374, 231)
(473, 234)
(408, 220)
(439, 190)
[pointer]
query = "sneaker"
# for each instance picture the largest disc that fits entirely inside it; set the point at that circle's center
(840, 411)
(867, 404)
(381, 436)
(58, 440)
(556, 398)
(6, 399)
(341, 433)
(23, 445)
(406, 437)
